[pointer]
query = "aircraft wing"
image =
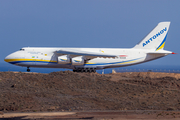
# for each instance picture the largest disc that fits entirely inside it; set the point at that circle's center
(86, 54)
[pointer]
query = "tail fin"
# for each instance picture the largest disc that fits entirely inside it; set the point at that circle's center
(156, 38)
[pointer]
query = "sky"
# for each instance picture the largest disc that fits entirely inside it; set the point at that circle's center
(87, 23)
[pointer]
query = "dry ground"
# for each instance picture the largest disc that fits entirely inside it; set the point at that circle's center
(68, 91)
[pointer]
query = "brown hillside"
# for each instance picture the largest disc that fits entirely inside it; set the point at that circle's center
(68, 91)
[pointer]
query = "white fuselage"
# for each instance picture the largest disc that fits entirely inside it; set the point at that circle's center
(90, 59)
(48, 58)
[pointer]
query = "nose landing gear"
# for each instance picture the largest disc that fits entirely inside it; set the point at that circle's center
(28, 70)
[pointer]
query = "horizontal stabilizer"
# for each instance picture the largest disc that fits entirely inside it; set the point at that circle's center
(160, 52)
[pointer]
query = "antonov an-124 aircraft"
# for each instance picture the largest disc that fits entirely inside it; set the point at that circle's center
(92, 59)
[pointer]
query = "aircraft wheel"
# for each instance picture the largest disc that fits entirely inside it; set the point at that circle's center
(86, 70)
(28, 70)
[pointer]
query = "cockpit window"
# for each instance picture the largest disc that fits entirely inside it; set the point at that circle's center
(21, 49)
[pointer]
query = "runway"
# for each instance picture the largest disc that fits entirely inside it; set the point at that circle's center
(95, 115)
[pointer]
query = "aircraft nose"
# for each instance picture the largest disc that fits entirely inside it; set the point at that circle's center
(8, 58)
(15, 57)
(11, 57)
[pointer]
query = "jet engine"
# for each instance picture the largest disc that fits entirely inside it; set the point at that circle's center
(65, 59)
(78, 60)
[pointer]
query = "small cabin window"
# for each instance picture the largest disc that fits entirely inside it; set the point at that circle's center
(21, 49)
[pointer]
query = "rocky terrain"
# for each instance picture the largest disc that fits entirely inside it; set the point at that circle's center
(68, 91)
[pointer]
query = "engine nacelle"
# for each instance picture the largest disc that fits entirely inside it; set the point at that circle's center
(78, 60)
(65, 59)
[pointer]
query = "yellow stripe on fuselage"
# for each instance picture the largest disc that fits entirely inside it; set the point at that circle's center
(115, 64)
(128, 62)
(39, 60)
(90, 63)
(14, 60)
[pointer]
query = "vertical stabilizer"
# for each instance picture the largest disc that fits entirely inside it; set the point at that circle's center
(156, 38)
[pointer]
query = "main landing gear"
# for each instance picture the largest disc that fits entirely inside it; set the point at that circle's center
(28, 70)
(85, 70)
